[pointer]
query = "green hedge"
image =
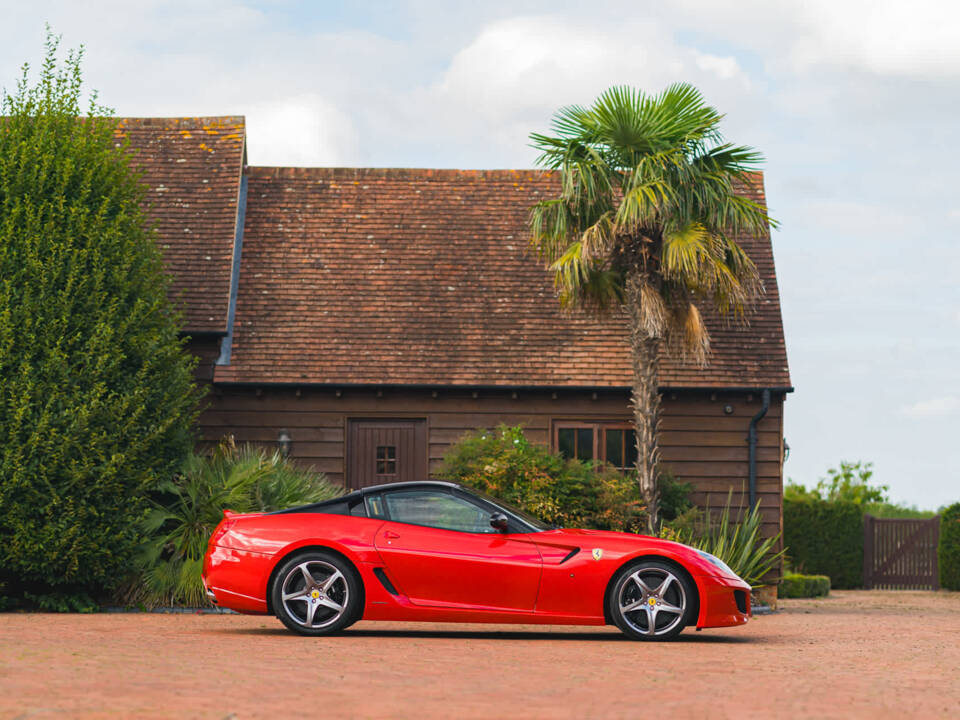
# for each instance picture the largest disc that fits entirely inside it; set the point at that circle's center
(794, 585)
(825, 538)
(948, 552)
(97, 397)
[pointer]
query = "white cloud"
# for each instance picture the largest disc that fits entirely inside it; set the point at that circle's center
(919, 38)
(944, 406)
(516, 73)
(302, 130)
(725, 68)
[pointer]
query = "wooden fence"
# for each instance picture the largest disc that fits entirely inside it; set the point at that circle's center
(900, 554)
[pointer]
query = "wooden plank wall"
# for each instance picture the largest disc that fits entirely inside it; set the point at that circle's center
(206, 348)
(703, 435)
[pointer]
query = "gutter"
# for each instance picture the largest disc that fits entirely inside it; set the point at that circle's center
(226, 346)
(752, 440)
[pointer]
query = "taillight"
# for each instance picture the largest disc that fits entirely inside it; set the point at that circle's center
(224, 526)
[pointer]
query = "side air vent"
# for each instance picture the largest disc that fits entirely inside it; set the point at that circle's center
(385, 581)
(569, 555)
(741, 597)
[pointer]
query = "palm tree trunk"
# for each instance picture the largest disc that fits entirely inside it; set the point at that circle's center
(645, 401)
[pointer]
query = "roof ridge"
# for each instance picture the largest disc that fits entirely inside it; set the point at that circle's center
(195, 122)
(267, 171)
(754, 182)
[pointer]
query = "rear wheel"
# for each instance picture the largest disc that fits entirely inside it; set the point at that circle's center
(652, 600)
(316, 593)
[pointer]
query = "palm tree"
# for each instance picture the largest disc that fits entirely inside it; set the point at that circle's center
(646, 224)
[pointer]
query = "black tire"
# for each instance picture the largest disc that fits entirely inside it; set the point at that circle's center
(652, 590)
(328, 604)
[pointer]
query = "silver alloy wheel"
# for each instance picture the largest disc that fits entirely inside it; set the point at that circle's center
(315, 594)
(652, 601)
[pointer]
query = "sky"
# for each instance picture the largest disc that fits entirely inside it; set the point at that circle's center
(854, 104)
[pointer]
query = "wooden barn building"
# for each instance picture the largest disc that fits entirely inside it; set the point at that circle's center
(365, 319)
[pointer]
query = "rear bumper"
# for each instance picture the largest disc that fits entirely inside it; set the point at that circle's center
(237, 579)
(724, 602)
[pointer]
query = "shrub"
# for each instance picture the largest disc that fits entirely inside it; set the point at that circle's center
(568, 493)
(795, 585)
(674, 496)
(244, 479)
(96, 390)
(825, 538)
(948, 550)
(738, 542)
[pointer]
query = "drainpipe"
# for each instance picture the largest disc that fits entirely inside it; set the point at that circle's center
(752, 440)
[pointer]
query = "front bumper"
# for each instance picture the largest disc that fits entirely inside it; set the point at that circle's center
(724, 602)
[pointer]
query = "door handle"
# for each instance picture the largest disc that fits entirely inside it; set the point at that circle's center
(390, 534)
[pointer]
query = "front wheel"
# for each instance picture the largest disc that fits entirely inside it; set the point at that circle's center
(316, 593)
(652, 600)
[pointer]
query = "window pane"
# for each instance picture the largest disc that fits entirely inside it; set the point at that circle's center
(614, 443)
(375, 506)
(567, 442)
(439, 510)
(585, 443)
(386, 459)
(631, 450)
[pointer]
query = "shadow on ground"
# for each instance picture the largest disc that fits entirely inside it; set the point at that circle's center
(688, 636)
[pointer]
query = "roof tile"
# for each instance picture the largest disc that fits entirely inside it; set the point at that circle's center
(396, 276)
(192, 167)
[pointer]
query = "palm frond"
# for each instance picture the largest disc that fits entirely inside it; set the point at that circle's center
(585, 283)
(653, 315)
(694, 334)
(685, 251)
(244, 479)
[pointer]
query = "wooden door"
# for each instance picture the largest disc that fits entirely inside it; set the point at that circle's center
(385, 451)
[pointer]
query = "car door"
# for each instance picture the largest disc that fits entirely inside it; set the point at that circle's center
(440, 550)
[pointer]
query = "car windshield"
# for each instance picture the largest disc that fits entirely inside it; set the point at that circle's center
(536, 523)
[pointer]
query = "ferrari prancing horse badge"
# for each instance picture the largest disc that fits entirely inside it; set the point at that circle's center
(597, 553)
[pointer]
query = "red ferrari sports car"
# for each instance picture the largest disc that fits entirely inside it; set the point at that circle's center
(438, 552)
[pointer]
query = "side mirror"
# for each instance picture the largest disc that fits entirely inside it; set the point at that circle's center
(498, 521)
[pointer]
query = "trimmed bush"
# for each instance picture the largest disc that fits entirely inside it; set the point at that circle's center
(567, 493)
(244, 479)
(825, 538)
(948, 550)
(97, 399)
(795, 585)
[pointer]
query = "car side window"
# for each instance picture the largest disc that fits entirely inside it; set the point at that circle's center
(435, 509)
(375, 506)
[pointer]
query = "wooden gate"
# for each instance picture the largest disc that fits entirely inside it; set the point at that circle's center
(900, 554)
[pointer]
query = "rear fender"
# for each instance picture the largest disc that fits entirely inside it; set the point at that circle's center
(351, 557)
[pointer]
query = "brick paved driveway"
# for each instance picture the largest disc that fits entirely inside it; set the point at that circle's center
(856, 654)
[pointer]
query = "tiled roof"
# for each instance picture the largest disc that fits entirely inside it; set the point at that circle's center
(424, 277)
(193, 168)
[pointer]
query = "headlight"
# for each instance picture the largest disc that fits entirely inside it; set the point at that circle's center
(714, 560)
